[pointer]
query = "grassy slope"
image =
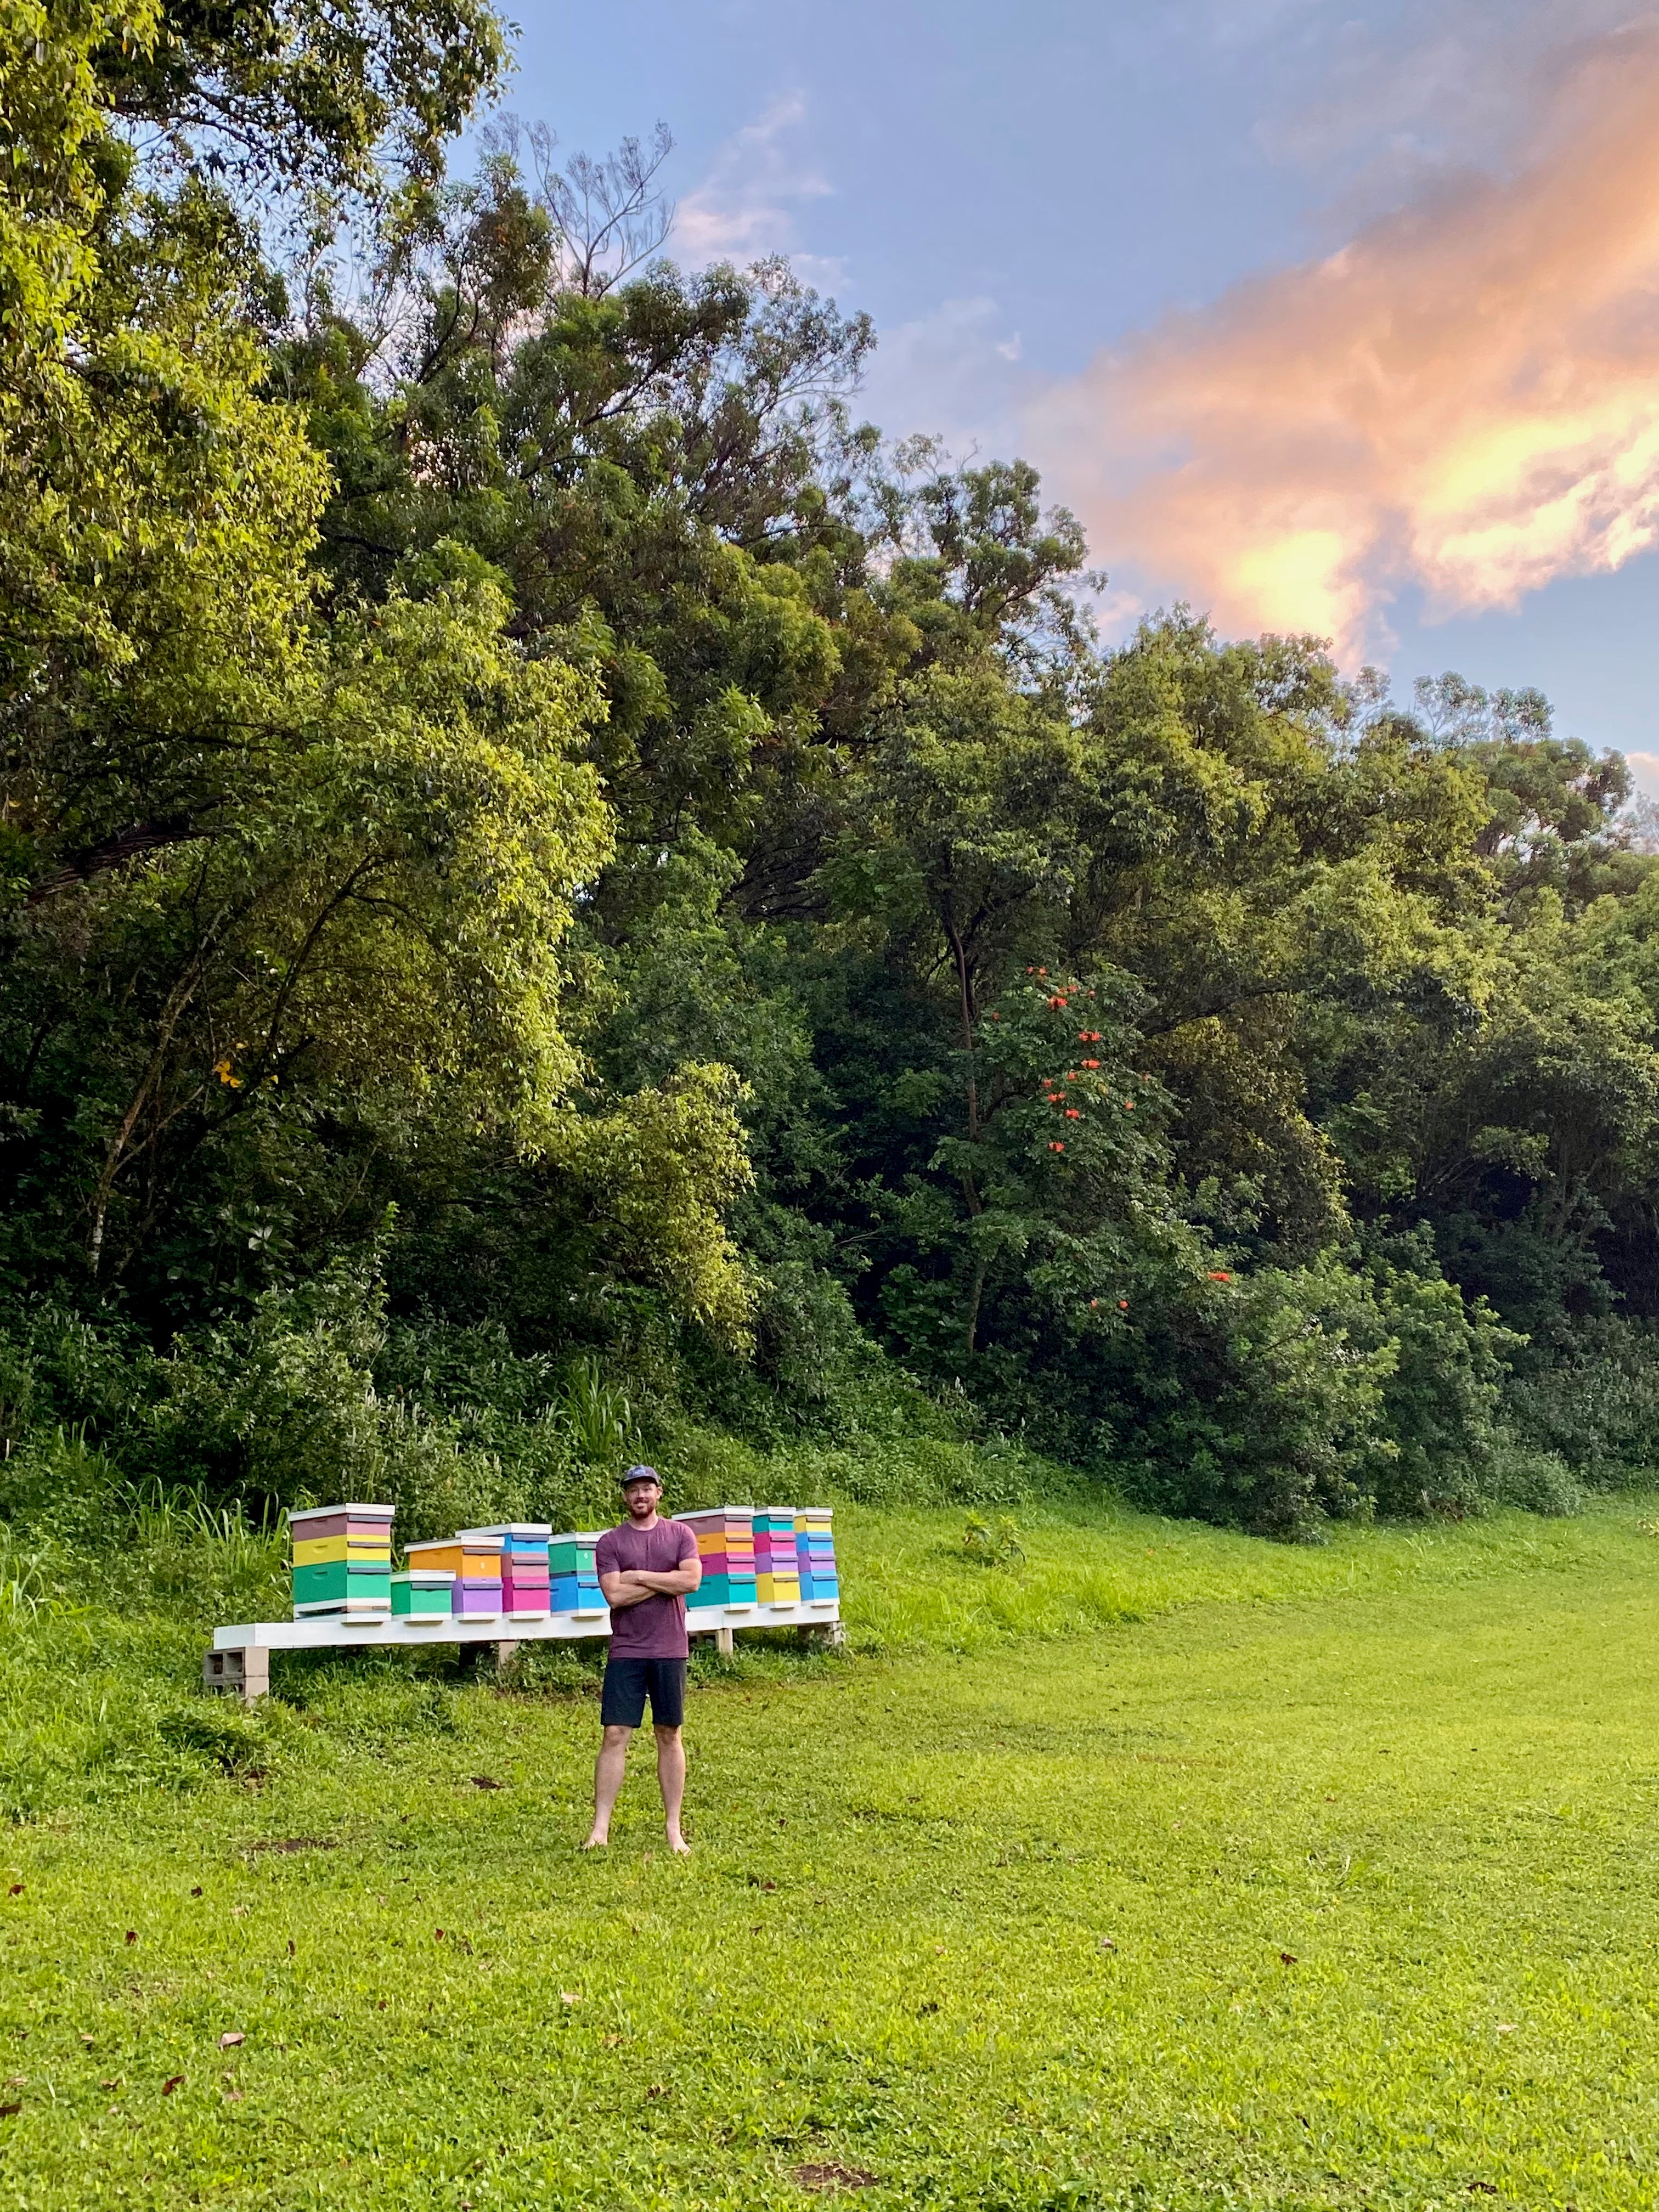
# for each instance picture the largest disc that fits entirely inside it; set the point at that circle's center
(1428, 1776)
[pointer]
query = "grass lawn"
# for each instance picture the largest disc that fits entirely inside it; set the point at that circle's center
(1343, 1900)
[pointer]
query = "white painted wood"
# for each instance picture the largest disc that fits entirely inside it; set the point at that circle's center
(323, 1632)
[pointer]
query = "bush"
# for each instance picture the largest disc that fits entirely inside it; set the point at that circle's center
(1256, 1400)
(1440, 1410)
(1589, 1394)
(1538, 1481)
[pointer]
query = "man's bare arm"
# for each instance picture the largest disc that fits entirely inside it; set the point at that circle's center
(622, 1588)
(630, 1585)
(680, 1583)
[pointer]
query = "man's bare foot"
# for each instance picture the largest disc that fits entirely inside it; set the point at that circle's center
(595, 1842)
(678, 1845)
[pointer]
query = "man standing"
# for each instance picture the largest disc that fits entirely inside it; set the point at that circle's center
(647, 1568)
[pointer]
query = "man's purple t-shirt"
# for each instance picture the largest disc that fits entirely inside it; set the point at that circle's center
(655, 1627)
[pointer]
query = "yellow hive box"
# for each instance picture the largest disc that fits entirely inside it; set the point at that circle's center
(323, 1550)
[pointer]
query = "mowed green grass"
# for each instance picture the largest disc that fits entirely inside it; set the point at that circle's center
(1347, 1899)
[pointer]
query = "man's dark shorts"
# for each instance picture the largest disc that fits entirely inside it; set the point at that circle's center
(621, 1702)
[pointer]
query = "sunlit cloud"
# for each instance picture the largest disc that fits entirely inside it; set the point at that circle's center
(745, 206)
(1464, 399)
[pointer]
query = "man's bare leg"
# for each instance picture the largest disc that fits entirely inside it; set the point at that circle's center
(670, 1779)
(608, 1769)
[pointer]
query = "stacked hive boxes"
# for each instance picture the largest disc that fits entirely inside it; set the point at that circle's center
(475, 1560)
(726, 1545)
(777, 1572)
(342, 1559)
(814, 1553)
(524, 1563)
(573, 1578)
(422, 1594)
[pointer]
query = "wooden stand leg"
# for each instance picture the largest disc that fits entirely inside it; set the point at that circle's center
(723, 1639)
(506, 1653)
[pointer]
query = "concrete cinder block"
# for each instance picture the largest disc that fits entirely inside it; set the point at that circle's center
(245, 1674)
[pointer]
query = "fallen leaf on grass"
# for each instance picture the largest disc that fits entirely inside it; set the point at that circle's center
(17, 2081)
(570, 1996)
(8, 2111)
(1287, 1958)
(656, 2090)
(86, 2038)
(132, 1935)
(17, 1889)
(173, 2082)
(1483, 2188)
(196, 1891)
(231, 2037)
(487, 1782)
(233, 2096)
(1106, 1944)
(1506, 2028)
(611, 2041)
(834, 2177)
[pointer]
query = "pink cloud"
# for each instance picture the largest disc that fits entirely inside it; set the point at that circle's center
(1465, 397)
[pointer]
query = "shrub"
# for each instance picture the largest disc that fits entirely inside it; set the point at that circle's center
(1589, 1394)
(1440, 1402)
(1256, 1400)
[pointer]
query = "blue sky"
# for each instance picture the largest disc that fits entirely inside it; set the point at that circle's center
(1102, 236)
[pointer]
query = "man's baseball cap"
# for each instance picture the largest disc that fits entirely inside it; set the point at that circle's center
(641, 1475)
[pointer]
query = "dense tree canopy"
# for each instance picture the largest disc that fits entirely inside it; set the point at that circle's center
(510, 787)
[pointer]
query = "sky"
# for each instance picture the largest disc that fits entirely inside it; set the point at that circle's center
(1341, 318)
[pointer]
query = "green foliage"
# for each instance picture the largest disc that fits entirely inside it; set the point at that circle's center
(998, 1546)
(556, 893)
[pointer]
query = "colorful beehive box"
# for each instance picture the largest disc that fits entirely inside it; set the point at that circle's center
(422, 1594)
(524, 1563)
(726, 1547)
(777, 1570)
(572, 1579)
(475, 1560)
(815, 1552)
(342, 1559)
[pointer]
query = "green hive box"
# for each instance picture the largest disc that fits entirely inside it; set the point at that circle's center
(420, 1593)
(334, 1582)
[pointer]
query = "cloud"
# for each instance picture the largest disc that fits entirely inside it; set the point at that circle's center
(1644, 771)
(1464, 398)
(957, 373)
(745, 207)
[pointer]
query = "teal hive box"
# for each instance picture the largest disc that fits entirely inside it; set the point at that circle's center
(336, 1584)
(573, 1555)
(422, 1592)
